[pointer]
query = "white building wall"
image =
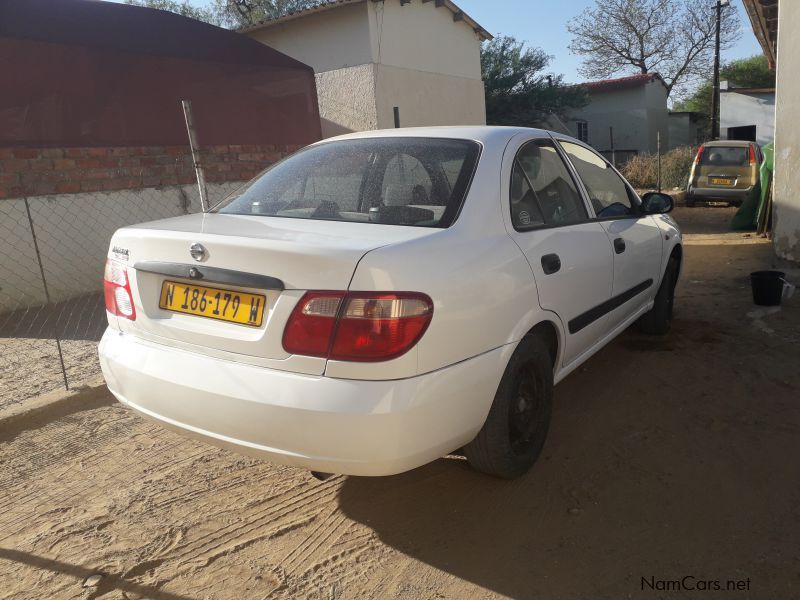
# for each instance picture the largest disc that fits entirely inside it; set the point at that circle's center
(738, 109)
(786, 210)
(422, 37)
(635, 114)
(625, 111)
(332, 39)
(372, 56)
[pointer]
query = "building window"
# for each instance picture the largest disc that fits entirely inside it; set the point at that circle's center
(583, 131)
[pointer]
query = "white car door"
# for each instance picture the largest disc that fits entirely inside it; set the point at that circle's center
(635, 238)
(569, 253)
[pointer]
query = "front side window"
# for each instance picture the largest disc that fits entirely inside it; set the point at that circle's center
(396, 181)
(608, 192)
(542, 190)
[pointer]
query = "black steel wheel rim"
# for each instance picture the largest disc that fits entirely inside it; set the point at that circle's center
(525, 415)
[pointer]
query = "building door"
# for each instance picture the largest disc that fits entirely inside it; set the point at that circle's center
(745, 133)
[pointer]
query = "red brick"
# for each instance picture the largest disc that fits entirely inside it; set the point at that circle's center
(63, 163)
(100, 174)
(26, 153)
(68, 187)
(40, 164)
(42, 188)
(98, 151)
(88, 163)
(129, 161)
(52, 153)
(14, 165)
(74, 152)
(6, 153)
(7, 179)
(91, 186)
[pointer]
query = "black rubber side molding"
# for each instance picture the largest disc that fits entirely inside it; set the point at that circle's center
(591, 315)
(210, 274)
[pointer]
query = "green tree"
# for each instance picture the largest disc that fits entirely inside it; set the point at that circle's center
(180, 7)
(519, 90)
(752, 72)
(242, 13)
(229, 13)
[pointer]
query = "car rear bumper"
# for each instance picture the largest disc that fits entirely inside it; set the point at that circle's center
(725, 194)
(320, 423)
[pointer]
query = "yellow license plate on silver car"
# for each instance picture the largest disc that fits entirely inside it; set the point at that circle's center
(722, 181)
(213, 303)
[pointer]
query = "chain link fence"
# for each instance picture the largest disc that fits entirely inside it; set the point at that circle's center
(52, 252)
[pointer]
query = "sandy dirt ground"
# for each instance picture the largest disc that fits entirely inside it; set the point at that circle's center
(667, 458)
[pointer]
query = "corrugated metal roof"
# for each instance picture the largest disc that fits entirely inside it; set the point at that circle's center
(324, 5)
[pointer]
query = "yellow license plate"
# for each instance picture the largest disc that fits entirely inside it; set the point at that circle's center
(721, 181)
(214, 303)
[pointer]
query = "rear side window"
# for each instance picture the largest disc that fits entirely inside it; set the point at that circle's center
(542, 190)
(397, 181)
(608, 192)
(725, 156)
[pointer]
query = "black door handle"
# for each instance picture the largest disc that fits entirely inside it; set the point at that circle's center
(619, 245)
(551, 263)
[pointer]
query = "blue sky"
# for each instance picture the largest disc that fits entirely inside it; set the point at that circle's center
(543, 23)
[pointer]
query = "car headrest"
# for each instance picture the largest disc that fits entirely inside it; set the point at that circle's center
(398, 194)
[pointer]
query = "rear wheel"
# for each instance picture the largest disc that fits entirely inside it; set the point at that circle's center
(515, 430)
(657, 320)
(689, 202)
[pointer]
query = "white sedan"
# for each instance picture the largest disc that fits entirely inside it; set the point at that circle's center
(381, 299)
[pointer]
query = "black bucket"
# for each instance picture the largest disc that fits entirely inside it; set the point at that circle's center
(767, 287)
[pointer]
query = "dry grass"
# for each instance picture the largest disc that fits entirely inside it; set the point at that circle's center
(642, 170)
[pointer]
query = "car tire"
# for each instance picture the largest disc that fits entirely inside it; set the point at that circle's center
(514, 433)
(657, 320)
(689, 202)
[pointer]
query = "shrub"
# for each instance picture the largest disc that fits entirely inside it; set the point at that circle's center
(642, 169)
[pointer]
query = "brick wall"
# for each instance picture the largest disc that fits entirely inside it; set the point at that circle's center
(46, 171)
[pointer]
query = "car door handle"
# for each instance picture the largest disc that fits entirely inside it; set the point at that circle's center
(551, 263)
(619, 245)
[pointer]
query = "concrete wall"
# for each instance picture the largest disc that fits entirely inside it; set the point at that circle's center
(78, 197)
(428, 98)
(332, 39)
(786, 210)
(636, 114)
(738, 109)
(73, 232)
(422, 37)
(347, 100)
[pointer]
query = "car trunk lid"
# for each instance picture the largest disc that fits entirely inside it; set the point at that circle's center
(273, 259)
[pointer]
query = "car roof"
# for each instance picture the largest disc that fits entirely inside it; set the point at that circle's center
(727, 144)
(485, 133)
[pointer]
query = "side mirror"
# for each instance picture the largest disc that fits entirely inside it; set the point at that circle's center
(656, 203)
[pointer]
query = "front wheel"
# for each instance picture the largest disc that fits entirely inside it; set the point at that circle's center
(658, 320)
(513, 435)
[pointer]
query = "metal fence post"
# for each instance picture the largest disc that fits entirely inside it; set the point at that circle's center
(46, 291)
(198, 166)
(658, 150)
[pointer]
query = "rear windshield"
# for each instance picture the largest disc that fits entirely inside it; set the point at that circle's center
(397, 181)
(725, 156)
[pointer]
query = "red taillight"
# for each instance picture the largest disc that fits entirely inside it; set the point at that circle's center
(117, 290)
(752, 155)
(699, 154)
(311, 324)
(363, 327)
